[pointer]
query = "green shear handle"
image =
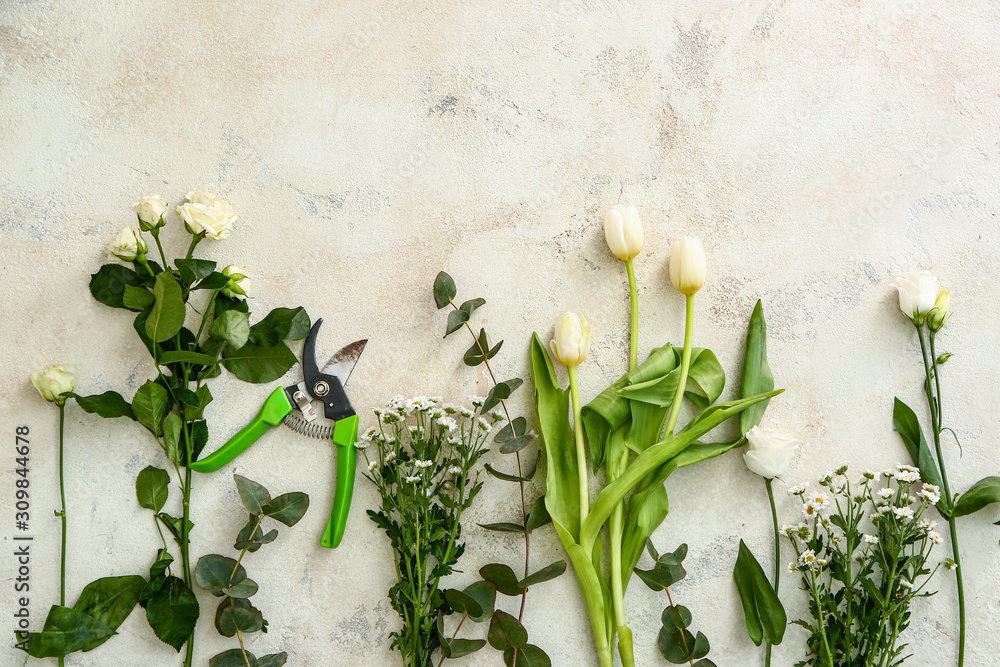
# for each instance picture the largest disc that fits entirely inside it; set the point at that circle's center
(345, 435)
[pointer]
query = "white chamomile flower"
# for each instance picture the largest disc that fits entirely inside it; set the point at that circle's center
(372, 466)
(454, 470)
(886, 493)
(927, 526)
(448, 423)
(477, 401)
(369, 434)
(390, 457)
(820, 562)
(436, 413)
(903, 583)
(882, 508)
(903, 512)
(412, 478)
(934, 537)
(377, 412)
(423, 464)
(409, 405)
(815, 503)
(792, 567)
(467, 413)
(454, 441)
(414, 431)
(789, 529)
(872, 476)
(807, 557)
(390, 417)
(930, 493)
(483, 425)
(497, 415)
(450, 409)
(423, 403)
(798, 489)
(950, 564)
(435, 399)
(907, 474)
(870, 539)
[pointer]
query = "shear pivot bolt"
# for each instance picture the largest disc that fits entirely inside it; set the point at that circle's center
(321, 389)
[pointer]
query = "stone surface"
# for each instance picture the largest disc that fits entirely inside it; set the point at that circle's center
(818, 148)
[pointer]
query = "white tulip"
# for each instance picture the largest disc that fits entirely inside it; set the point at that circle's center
(687, 264)
(623, 231)
(239, 282)
(770, 452)
(206, 214)
(918, 292)
(55, 381)
(571, 342)
(150, 210)
(127, 245)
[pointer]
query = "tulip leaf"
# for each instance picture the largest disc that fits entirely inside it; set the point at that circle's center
(984, 492)
(151, 488)
(149, 405)
(109, 283)
(252, 363)
(172, 612)
(756, 377)
(232, 326)
(167, 316)
(906, 423)
(109, 405)
(280, 324)
(444, 290)
(765, 616)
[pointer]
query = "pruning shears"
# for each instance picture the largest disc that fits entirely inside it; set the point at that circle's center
(292, 406)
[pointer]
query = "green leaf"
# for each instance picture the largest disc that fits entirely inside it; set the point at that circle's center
(231, 326)
(287, 508)
(109, 283)
(677, 646)
(199, 438)
(172, 612)
(756, 377)
(65, 631)
(137, 298)
(501, 391)
(906, 423)
(528, 476)
(538, 516)
(224, 303)
(662, 576)
(109, 601)
(505, 632)
(444, 290)
(172, 427)
(173, 525)
(251, 537)
(194, 413)
(512, 430)
(458, 647)
(258, 365)
(213, 281)
(167, 316)
(477, 353)
(765, 616)
(456, 320)
(504, 527)
(984, 492)
(253, 495)
(462, 602)
(272, 660)
(109, 405)
(503, 577)
(223, 576)
(193, 270)
(485, 593)
(151, 487)
(280, 324)
(517, 444)
(233, 658)
(471, 305)
(237, 614)
(149, 404)
(530, 655)
(547, 573)
(182, 356)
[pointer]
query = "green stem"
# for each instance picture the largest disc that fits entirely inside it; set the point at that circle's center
(633, 345)
(62, 496)
(155, 233)
(195, 240)
(581, 458)
(820, 618)
(934, 403)
(777, 555)
(675, 408)
(185, 543)
(615, 528)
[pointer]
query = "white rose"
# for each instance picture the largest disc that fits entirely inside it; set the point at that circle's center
(239, 282)
(571, 342)
(150, 210)
(687, 264)
(127, 245)
(770, 452)
(918, 292)
(623, 231)
(206, 214)
(55, 381)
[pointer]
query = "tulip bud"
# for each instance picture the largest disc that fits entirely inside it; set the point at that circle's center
(127, 246)
(150, 211)
(239, 282)
(940, 313)
(687, 264)
(571, 342)
(770, 452)
(55, 381)
(623, 231)
(918, 292)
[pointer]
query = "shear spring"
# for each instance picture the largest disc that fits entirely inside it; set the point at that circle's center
(311, 429)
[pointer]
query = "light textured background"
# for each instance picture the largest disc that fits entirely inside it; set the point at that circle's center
(819, 148)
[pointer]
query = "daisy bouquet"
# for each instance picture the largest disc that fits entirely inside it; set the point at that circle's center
(863, 553)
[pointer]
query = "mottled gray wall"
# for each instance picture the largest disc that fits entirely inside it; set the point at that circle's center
(819, 148)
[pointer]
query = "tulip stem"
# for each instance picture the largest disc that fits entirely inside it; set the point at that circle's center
(633, 346)
(675, 408)
(581, 458)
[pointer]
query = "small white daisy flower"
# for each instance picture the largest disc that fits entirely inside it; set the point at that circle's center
(930, 493)
(798, 489)
(448, 423)
(423, 464)
(369, 434)
(454, 470)
(903, 583)
(477, 401)
(483, 425)
(390, 457)
(436, 413)
(885, 493)
(807, 557)
(903, 512)
(870, 539)
(467, 413)
(934, 537)
(412, 478)
(372, 466)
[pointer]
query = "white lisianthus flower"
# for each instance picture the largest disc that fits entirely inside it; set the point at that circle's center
(127, 245)
(150, 211)
(623, 231)
(571, 342)
(918, 292)
(206, 214)
(687, 264)
(770, 452)
(941, 312)
(54, 382)
(239, 285)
